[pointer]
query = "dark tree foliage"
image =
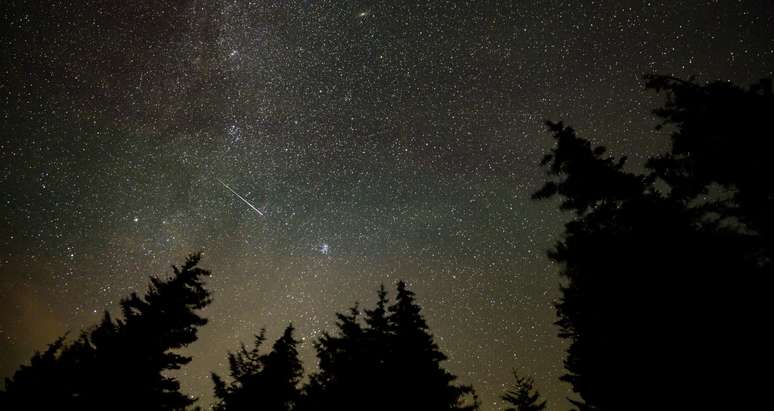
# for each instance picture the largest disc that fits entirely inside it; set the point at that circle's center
(262, 381)
(388, 361)
(120, 364)
(723, 137)
(244, 367)
(341, 382)
(522, 396)
(664, 266)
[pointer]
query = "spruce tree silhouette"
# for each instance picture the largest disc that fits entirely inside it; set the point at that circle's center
(387, 361)
(416, 361)
(653, 262)
(244, 368)
(341, 382)
(722, 137)
(262, 381)
(120, 364)
(523, 396)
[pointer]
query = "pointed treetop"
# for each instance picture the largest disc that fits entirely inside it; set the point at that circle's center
(377, 318)
(522, 396)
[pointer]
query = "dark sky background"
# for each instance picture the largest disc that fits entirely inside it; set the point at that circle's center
(383, 140)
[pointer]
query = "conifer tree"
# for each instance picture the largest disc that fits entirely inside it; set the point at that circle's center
(340, 382)
(415, 365)
(522, 396)
(244, 367)
(652, 261)
(378, 338)
(121, 364)
(282, 372)
(262, 381)
(376, 319)
(387, 361)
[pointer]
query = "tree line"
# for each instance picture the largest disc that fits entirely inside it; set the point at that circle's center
(383, 358)
(663, 301)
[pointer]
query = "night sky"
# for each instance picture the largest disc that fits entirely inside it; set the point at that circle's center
(381, 140)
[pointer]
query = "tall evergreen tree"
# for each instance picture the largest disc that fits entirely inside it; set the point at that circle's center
(416, 360)
(522, 396)
(121, 364)
(341, 381)
(721, 138)
(376, 319)
(262, 381)
(244, 367)
(389, 362)
(653, 261)
(282, 372)
(379, 353)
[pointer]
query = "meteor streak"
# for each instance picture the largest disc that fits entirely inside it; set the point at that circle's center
(240, 197)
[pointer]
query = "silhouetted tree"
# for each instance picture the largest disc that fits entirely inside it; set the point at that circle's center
(120, 364)
(388, 361)
(722, 138)
(379, 353)
(522, 396)
(376, 319)
(652, 262)
(416, 360)
(39, 385)
(341, 381)
(262, 381)
(282, 372)
(244, 367)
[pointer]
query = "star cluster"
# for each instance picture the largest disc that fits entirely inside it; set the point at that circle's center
(381, 140)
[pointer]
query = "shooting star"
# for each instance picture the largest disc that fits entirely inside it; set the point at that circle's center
(240, 197)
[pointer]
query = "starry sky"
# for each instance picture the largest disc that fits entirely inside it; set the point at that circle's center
(369, 141)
